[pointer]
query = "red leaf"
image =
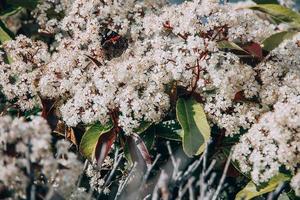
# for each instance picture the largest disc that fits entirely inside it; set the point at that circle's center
(104, 145)
(254, 49)
(239, 96)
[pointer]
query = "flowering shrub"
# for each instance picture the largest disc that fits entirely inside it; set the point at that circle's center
(131, 84)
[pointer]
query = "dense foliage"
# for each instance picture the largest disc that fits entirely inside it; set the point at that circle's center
(130, 99)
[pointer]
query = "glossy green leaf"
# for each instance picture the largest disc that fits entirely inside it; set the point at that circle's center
(148, 137)
(229, 45)
(144, 125)
(274, 40)
(4, 35)
(251, 191)
(170, 130)
(279, 12)
(90, 139)
(196, 130)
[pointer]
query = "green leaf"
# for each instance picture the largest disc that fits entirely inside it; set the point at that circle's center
(274, 40)
(229, 45)
(144, 125)
(196, 130)
(11, 7)
(266, 1)
(279, 12)
(170, 130)
(31, 4)
(148, 137)
(4, 33)
(9, 11)
(251, 191)
(292, 195)
(90, 139)
(35, 111)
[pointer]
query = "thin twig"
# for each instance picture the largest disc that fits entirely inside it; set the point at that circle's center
(210, 167)
(222, 177)
(174, 162)
(186, 187)
(191, 190)
(113, 171)
(122, 185)
(117, 159)
(146, 176)
(192, 168)
(161, 185)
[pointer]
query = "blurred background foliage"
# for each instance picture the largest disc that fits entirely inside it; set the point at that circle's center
(258, 1)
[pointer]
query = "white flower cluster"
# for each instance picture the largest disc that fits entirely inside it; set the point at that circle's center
(271, 143)
(16, 137)
(231, 80)
(97, 181)
(18, 78)
(65, 179)
(25, 155)
(48, 13)
(274, 141)
(280, 75)
(92, 91)
(164, 46)
(122, 56)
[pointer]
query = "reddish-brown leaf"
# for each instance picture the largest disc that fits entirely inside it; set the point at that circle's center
(239, 96)
(71, 136)
(254, 49)
(104, 145)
